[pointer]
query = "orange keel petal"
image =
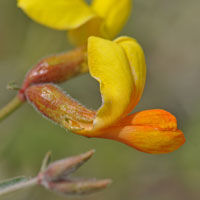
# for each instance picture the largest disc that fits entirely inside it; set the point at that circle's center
(146, 139)
(151, 131)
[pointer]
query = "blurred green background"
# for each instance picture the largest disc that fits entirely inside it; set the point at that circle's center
(169, 33)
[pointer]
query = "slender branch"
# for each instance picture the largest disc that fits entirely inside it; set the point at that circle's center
(10, 107)
(18, 186)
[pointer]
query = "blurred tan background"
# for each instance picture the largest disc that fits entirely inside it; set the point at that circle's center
(169, 33)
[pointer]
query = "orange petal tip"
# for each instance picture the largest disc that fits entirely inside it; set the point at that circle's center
(150, 131)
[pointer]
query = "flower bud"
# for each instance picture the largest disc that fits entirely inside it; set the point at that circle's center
(57, 68)
(55, 176)
(60, 108)
(60, 169)
(78, 187)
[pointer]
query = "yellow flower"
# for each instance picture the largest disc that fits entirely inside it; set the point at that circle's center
(103, 18)
(120, 69)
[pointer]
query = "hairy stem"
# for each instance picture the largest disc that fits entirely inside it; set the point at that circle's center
(19, 186)
(10, 107)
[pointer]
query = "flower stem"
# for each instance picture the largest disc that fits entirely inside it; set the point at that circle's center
(10, 107)
(18, 186)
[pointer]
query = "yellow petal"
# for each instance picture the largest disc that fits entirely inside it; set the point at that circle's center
(150, 131)
(114, 12)
(109, 65)
(136, 59)
(58, 14)
(79, 36)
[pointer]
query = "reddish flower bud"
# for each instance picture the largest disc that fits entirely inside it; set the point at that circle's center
(62, 109)
(57, 68)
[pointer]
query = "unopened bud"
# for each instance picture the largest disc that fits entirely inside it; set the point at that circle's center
(60, 169)
(57, 106)
(57, 68)
(78, 187)
(56, 176)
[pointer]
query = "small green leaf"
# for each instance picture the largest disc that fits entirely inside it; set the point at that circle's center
(13, 86)
(13, 181)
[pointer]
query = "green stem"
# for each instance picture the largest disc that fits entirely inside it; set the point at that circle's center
(19, 186)
(10, 107)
